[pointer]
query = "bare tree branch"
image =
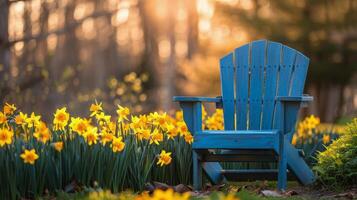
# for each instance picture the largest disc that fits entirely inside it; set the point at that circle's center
(68, 27)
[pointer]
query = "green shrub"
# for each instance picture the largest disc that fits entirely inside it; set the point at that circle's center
(337, 166)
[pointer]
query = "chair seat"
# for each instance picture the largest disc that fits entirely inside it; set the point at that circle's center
(251, 139)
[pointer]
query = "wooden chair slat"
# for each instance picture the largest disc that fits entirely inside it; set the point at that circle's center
(256, 83)
(242, 83)
(227, 78)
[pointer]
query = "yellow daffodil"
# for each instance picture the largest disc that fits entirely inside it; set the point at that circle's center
(29, 156)
(179, 115)
(188, 138)
(156, 137)
(117, 144)
(164, 158)
(153, 117)
(91, 136)
(102, 118)
(42, 133)
(9, 109)
(123, 113)
(294, 140)
(142, 133)
(33, 120)
(326, 139)
(204, 113)
(3, 118)
(95, 108)
(215, 122)
(135, 122)
(58, 146)
(161, 120)
(168, 194)
(79, 125)
(6, 136)
(182, 128)
(172, 131)
(106, 137)
(21, 118)
(61, 119)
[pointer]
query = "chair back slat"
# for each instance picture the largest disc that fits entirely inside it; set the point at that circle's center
(227, 87)
(272, 69)
(256, 83)
(251, 79)
(296, 89)
(284, 78)
(242, 84)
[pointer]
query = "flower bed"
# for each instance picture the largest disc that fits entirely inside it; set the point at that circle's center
(72, 152)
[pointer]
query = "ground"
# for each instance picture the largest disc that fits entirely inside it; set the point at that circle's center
(252, 191)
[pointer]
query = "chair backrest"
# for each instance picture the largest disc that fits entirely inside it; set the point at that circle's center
(252, 76)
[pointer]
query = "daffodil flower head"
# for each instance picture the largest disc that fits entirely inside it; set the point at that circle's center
(61, 118)
(117, 144)
(164, 158)
(29, 156)
(123, 113)
(9, 109)
(6, 136)
(96, 108)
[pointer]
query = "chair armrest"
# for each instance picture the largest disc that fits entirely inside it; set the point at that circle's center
(197, 99)
(302, 99)
(217, 100)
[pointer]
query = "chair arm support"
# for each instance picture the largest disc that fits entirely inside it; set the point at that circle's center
(304, 98)
(192, 115)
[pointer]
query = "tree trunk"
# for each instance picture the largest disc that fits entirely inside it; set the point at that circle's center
(150, 59)
(168, 77)
(4, 48)
(192, 21)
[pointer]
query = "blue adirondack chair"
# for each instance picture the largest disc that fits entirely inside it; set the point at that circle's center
(262, 92)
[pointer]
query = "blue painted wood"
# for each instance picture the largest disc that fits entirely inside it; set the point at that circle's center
(296, 89)
(282, 163)
(241, 155)
(197, 172)
(192, 113)
(247, 132)
(272, 69)
(276, 77)
(301, 99)
(242, 86)
(239, 140)
(227, 79)
(299, 75)
(213, 172)
(256, 83)
(286, 67)
(201, 99)
(297, 164)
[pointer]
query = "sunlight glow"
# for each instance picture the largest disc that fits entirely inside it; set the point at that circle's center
(204, 25)
(205, 8)
(181, 48)
(88, 29)
(51, 42)
(164, 48)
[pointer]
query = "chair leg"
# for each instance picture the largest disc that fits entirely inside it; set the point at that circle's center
(197, 172)
(282, 167)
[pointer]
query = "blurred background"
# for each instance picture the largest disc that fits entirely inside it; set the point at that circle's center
(139, 53)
